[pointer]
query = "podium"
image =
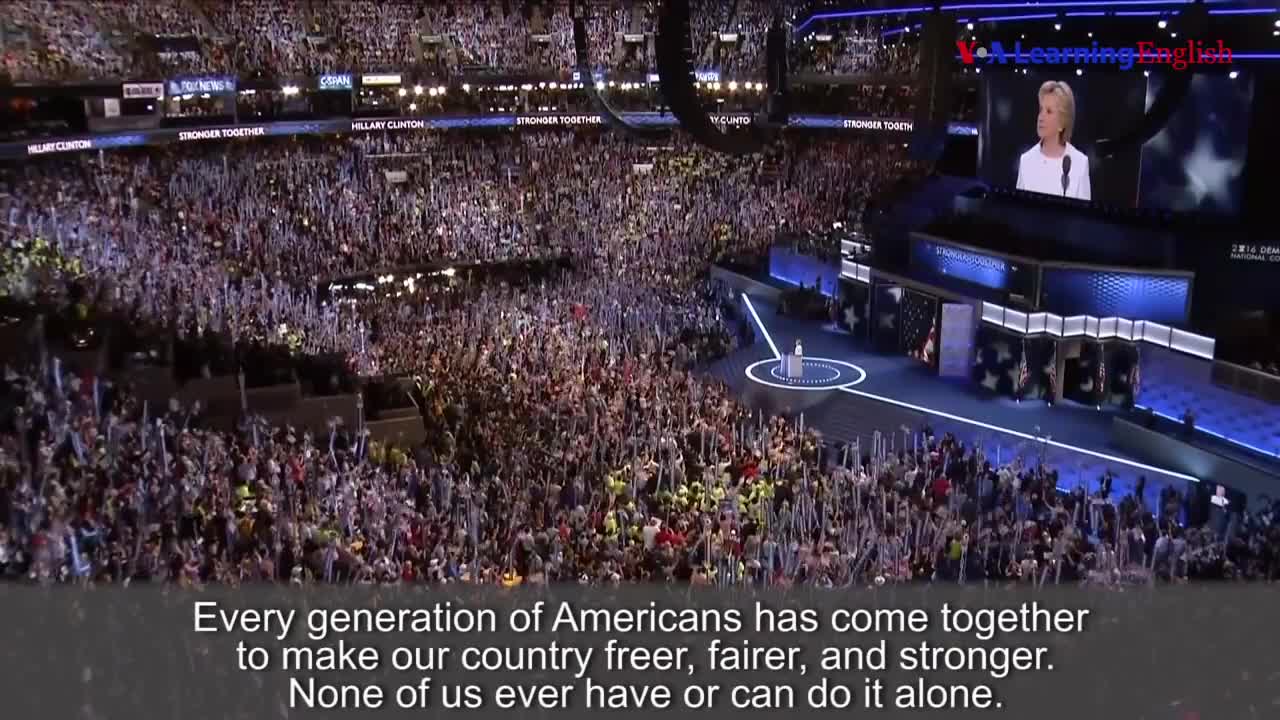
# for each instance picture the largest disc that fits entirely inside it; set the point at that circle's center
(793, 366)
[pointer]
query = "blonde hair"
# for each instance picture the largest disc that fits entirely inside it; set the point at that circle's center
(1066, 105)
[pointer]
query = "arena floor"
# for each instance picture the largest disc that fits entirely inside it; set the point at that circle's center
(850, 393)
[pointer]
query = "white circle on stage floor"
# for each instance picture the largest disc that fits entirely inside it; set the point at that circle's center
(826, 366)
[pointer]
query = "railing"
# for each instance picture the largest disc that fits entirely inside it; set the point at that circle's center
(1099, 328)
(855, 247)
(134, 138)
(1247, 381)
(855, 271)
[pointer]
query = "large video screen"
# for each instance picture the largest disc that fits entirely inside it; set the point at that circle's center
(1195, 163)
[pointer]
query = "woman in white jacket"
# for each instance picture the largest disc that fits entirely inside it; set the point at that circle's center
(1053, 165)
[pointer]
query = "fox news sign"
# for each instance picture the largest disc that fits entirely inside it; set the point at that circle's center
(213, 84)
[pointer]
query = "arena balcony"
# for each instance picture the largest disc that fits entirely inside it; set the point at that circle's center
(49, 42)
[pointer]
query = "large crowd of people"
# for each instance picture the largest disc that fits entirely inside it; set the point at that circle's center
(253, 217)
(855, 53)
(109, 39)
(571, 437)
(47, 40)
(560, 456)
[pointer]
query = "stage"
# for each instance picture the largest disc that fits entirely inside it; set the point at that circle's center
(849, 392)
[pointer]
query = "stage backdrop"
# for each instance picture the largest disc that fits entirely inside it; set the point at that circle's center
(1016, 366)
(919, 337)
(1196, 163)
(1156, 296)
(884, 308)
(1122, 364)
(957, 340)
(998, 360)
(1085, 374)
(1042, 374)
(855, 308)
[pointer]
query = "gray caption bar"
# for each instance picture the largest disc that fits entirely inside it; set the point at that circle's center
(1166, 653)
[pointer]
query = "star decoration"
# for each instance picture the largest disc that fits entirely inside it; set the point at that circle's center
(851, 317)
(1003, 353)
(1210, 174)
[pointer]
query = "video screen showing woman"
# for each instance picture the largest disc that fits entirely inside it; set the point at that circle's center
(1053, 165)
(1193, 160)
(1070, 114)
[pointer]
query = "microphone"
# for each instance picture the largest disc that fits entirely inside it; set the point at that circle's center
(1066, 173)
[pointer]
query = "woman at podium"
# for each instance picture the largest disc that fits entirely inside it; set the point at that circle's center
(793, 365)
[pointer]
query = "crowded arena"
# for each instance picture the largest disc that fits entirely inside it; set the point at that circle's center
(422, 292)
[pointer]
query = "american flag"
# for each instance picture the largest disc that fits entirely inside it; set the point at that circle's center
(1024, 373)
(930, 343)
(1102, 372)
(886, 306)
(1135, 377)
(1053, 375)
